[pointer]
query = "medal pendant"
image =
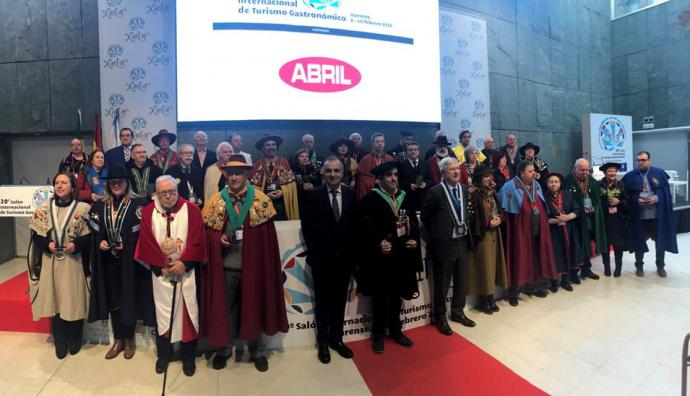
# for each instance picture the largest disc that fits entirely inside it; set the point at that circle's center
(168, 247)
(60, 254)
(535, 211)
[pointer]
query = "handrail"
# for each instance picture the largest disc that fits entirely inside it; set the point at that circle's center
(684, 381)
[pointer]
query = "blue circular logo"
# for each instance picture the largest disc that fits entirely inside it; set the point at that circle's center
(465, 123)
(477, 66)
(463, 84)
(611, 134)
(137, 74)
(447, 61)
(478, 105)
(446, 20)
(136, 23)
(476, 27)
(113, 3)
(322, 4)
(116, 100)
(462, 44)
(159, 47)
(138, 123)
(160, 97)
(448, 103)
(115, 50)
(41, 196)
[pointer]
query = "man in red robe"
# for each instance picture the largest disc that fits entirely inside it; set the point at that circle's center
(164, 158)
(172, 245)
(530, 259)
(242, 293)
(273, 175)
(366, 179)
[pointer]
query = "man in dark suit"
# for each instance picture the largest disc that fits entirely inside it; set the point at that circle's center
(444, 215)
(203, 157)
(414, 176)
(489, 151)
(511, 150)
(120, 154)
(328, 227)
(190, 180)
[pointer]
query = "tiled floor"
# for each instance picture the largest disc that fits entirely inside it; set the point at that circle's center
(611, 337)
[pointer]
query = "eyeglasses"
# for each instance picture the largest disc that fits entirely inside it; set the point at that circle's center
(641, 160)
(166, 193)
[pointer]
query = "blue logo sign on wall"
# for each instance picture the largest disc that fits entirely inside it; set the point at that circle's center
(136, 23)
(160, 97)
(322, 4)
(115, 50)
(611, 134)
(137, 74)
(159, 47)
(116, 100)
(113, 3)
(138, 123)
(465, 124)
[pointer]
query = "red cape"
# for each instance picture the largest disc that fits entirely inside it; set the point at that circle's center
(149, 251)
(520, 264)
(263, 301)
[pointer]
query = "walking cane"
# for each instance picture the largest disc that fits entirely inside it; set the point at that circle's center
(173, 280)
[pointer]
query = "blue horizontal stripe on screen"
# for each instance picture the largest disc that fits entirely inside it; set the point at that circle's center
(310, 29)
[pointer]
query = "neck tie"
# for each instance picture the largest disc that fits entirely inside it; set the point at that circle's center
(335, 206)
(455, 193)
(415, 164)
(186, 171)
(127, 153)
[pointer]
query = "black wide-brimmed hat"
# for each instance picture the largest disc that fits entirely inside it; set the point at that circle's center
(116, 171)
(607, 165)
(479, 172)
(236, 161)
(163, 133)
(558, 175)
(384, 167)
(529, 145)
(441, 139)
(265, 138)
(349, 143)
(406, 133)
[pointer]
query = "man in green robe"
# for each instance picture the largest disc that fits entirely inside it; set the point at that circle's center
(591, 217)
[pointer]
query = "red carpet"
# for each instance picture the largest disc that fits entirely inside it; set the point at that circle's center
(436, 365)
(15, 308)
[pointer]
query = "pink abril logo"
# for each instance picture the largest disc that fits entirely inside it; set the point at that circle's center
(317, 74)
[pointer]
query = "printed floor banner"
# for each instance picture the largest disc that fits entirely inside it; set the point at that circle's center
(465, 103)
(137, 62)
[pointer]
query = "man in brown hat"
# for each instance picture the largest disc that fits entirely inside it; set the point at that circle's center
(273, 175)
(164, 158)
(242, 289)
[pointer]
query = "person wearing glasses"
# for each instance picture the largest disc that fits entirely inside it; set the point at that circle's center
(651, 213)
(172, 246)
(586, 191)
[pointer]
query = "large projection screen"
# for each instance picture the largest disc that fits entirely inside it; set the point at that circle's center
(357, 60)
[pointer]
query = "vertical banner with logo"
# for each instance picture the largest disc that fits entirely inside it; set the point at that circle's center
(137, 55)
(608, 138)
(464, 55)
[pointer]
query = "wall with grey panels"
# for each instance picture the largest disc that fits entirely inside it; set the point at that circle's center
(651, 64)
(549, 63)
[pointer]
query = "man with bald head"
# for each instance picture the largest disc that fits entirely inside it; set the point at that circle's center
(189, 179)
(511, 150)
(591, 217)
(203, 157)
(489, 151)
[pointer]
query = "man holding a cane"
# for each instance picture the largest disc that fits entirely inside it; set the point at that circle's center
(172, 245)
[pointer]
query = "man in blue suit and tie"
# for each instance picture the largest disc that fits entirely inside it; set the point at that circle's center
(120, 154)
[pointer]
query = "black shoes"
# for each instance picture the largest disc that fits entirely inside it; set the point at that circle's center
(607, 270)
(484, 305)
(324, 354)
(639, 271)
(617, 271)
(554, 286)
(74, 346)
(661, 272)
(220, 361)
(188, 367)
(541, 293)
(586, 272)
(492, 303)
(343, 350)
(443, 327)
(401, 339)
(160, 365)
(565, 284)
(377, 346)
(261, 363)
(574, 278)
(462, 319)
(513, 301)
